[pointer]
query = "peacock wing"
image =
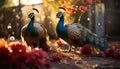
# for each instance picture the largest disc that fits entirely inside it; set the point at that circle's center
(74, 34)
(41, 30)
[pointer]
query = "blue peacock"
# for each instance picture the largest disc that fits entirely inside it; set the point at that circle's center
(33, 34)
(77, 35)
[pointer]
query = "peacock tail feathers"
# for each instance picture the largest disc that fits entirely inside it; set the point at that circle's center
(90, 37)
(80, 35)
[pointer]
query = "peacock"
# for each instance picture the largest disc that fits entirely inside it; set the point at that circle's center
(77, 35)
(34, 34)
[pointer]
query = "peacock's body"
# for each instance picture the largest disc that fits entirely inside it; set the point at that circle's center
(75, 34)
(33, 33)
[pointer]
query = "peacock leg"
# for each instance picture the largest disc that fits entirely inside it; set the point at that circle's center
(74, 50)
(71, 49)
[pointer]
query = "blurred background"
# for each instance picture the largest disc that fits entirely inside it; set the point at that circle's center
(101, 18)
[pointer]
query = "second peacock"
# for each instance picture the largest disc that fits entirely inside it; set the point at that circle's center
(77, 35)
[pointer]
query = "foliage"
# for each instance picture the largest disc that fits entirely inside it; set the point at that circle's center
(73, 13)
(4, 2)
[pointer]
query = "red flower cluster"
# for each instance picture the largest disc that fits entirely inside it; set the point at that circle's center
(111, 51)
(38, 57)
(86, 49)
(56, 56)
(20, 54)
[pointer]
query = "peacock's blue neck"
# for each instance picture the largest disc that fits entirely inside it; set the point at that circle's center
(61, 29)
(31, 24)
(31, 28)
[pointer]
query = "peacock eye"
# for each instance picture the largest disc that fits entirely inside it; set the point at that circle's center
(31, 15)
(59, 15)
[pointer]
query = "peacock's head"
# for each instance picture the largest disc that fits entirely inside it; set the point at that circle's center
(31, 15)
(59, 15)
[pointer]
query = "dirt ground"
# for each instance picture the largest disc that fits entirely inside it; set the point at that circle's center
(89, 62)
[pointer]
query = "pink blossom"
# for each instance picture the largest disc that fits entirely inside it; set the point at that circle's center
(83, 8)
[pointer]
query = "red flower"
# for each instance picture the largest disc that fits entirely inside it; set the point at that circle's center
(71, 10)
(83, 8)
(86, 50)
(117, 53)
(38, 57)
(17, 47)
(56, 57)
(110, 51)
(88, 2)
